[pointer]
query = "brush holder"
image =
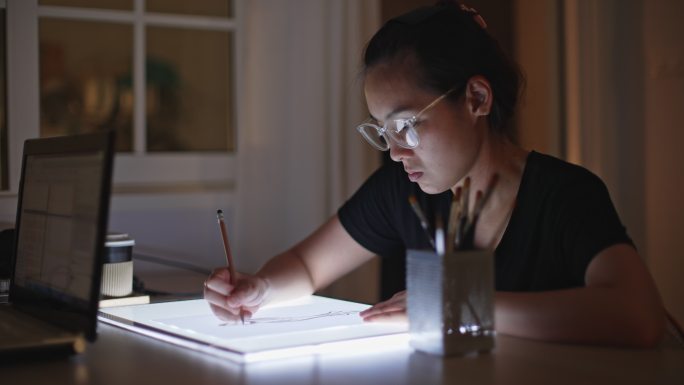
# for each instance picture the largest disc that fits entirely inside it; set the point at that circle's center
(450, 301)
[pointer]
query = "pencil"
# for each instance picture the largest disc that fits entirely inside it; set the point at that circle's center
(439, 235)
(421, 217)
(488, 192)
(468, 240)
(480, 201)
(229, 255)
(453, 221)
(466, 198)
(463, 220)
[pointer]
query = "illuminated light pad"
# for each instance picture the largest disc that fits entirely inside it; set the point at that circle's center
(311, 325)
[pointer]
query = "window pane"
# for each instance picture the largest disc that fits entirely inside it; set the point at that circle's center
(85, 78)
(217, 8)
(3, 104)
(189, 102)
(101, 4)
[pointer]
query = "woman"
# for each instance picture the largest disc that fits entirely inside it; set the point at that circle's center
(440, 92)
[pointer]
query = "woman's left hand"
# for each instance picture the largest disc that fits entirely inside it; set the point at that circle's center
(392, 310)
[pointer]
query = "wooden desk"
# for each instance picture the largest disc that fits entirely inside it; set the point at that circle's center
(123, 358)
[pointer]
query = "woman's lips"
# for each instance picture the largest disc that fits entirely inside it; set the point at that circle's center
(414, 176)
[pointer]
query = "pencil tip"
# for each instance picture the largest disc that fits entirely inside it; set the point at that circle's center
(457, 194)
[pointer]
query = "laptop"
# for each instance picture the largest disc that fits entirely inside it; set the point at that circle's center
(60, 230)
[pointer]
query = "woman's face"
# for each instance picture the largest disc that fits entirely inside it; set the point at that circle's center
(449, 138)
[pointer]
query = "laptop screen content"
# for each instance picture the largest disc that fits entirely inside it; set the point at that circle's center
(59, 217)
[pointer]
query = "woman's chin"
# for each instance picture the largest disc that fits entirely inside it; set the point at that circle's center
(429, 188)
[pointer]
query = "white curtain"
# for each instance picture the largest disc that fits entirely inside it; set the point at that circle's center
(299, 154)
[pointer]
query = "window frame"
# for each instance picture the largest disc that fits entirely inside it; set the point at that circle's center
(138, 171)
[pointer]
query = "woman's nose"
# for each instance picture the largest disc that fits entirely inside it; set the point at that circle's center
(398, 153)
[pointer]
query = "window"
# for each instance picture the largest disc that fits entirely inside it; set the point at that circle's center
(93, 60)
(165, 74)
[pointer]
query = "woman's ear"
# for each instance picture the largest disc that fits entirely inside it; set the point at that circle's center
(479, 96)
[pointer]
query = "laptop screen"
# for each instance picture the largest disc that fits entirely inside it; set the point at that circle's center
(60, 228)
(58, 221)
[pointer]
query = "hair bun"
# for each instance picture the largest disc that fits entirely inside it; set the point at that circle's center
(464, 8)
(475, 14)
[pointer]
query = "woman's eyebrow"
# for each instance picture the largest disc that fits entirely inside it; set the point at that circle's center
(395, 111)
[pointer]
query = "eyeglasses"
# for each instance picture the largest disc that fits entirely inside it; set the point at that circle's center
(401, 130)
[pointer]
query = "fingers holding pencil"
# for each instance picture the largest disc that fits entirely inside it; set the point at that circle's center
(233, 302)
(219, 281)
(232, 296)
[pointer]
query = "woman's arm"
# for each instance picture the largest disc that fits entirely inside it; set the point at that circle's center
(324, 256)
(619, 305)
(327, 254)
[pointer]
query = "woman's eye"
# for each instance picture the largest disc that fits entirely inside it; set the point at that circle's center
(402, 124)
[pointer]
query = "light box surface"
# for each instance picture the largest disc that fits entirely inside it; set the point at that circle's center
(307, 326)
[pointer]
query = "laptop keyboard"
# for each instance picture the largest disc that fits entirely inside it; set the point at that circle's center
(17, 328)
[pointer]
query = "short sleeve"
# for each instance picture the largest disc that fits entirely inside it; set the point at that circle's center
(591, 225)
(368, 215)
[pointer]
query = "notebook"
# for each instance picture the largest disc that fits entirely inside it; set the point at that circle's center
(60, 229)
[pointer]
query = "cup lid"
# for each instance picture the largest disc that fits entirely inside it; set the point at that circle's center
(119, 240)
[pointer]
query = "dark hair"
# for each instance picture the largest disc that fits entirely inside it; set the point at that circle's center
(451, 44)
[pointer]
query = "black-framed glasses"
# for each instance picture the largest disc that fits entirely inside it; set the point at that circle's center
(402, 131)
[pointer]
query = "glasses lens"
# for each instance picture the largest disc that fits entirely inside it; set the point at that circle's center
(403, 132)
(371, 133)
(412, 137)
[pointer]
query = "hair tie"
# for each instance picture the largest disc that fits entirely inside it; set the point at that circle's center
(476, 15)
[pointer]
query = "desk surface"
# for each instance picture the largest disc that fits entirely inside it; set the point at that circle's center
(122, 357)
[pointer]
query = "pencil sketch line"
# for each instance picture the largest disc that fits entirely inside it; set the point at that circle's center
(264, 320)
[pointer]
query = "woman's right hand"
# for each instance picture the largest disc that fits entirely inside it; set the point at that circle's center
(227, 302)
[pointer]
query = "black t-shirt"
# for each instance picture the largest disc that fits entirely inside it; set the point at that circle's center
(563, 217)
